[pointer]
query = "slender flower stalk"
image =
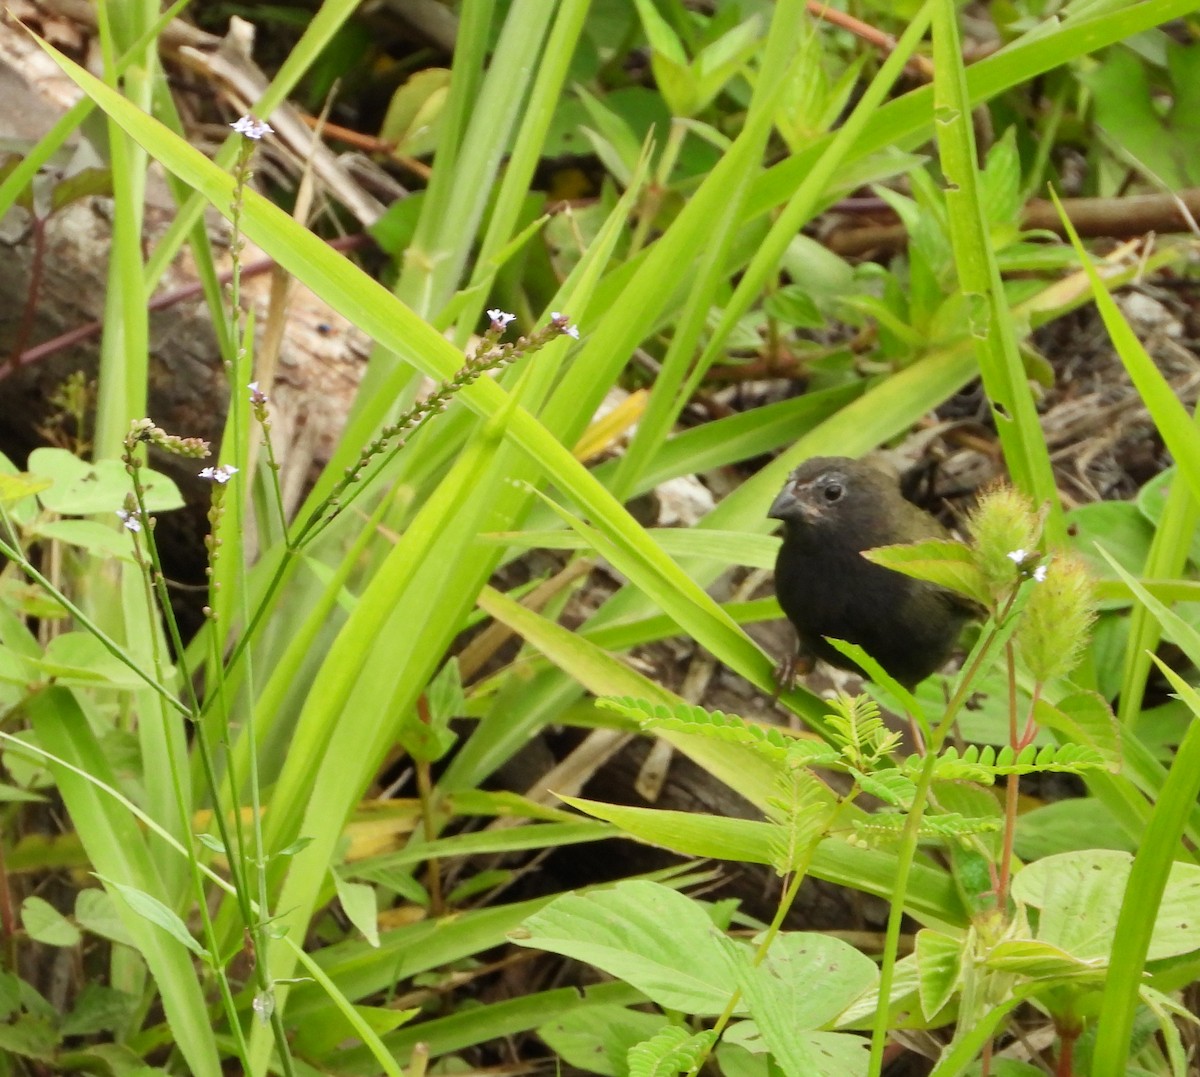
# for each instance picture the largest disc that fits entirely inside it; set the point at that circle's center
(253, 856)
(493, 358)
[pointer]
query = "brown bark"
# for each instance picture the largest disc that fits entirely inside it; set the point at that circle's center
(321, 354)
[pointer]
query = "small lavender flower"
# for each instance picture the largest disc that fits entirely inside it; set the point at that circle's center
(257, 397)
(252, 128)
(563, 322)
(220, 474)
(500, 319)
(130, 520)
(1020, 557)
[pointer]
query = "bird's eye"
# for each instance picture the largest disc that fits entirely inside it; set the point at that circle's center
(833, 492)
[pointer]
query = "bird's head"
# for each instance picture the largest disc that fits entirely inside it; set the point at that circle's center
(832, 492)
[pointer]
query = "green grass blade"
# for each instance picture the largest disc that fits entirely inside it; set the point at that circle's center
(604, 674)
(1147, 881)
(1000, 365)
(321, 28)
(117, 850)
(459, 190)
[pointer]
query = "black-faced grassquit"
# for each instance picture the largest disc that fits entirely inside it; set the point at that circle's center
(832, 509)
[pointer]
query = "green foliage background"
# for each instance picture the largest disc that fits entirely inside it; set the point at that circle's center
(223, 827)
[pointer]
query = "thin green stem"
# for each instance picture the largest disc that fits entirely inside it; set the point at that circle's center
(393, 439)
(652, 198)
(785, 904)
(358, 479)
(364, 1030)
(264, 423)
(257, 864)
(154, 584)
(911, 833)
(13, 552)
(796, 876)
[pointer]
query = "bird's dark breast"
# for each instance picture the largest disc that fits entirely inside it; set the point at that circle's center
(838, 593)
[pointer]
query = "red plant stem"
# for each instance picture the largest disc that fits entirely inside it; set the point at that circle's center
(884, 42)
(88, 330)
(1065, 1067)
(1012, 788)
(25, 329)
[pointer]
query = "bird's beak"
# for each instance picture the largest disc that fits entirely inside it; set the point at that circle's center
(789, 505)
(785, 505)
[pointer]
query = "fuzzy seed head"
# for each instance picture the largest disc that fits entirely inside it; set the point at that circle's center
(1005, 532)
(1056, 623)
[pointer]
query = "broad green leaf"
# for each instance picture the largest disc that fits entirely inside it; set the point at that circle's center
(359, 905)
(102, 540)
(1119, 527)
(29, 1037)
(413, 119)
(95, 912)
(1129, 118)
(10, 995)
(17, 668)
(44, 923)
(80, 658)
(645, 934)
(597, 1040)
(939, 959)
(1064, 826)
(149, 908)
(1080, 894)
(17, 487)
(942, 561)
(803, 984)
(99, 1009)
(80, 488)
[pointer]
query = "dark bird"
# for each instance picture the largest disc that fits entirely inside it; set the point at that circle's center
(832, 509)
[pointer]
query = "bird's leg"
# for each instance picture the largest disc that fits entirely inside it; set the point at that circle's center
(798, 664)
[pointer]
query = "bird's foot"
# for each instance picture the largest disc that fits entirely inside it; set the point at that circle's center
(794, 665)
